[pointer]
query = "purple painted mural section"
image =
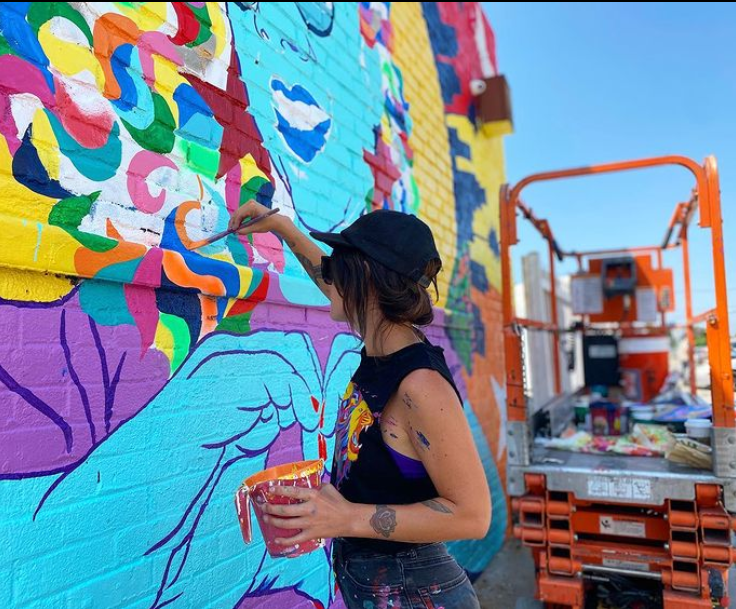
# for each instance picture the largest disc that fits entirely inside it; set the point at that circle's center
(66, 383)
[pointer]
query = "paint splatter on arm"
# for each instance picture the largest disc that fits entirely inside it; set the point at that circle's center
(422, 439)
(389, 426)
(410, 403)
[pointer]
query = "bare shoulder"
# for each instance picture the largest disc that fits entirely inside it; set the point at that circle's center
(426, 386)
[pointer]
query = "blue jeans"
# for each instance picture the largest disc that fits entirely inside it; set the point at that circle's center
(424, 577)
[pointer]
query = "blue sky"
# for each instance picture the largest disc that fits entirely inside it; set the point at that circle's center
(598, 82)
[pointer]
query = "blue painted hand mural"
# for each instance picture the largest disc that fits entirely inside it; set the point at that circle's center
(187, 452)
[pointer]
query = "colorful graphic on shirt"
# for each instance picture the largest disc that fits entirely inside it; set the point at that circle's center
(354, 416)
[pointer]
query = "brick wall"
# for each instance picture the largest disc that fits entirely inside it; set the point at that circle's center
(141, 381)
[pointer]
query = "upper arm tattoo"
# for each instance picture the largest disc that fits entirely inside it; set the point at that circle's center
(432, 504)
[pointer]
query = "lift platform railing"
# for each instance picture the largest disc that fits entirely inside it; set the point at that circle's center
(705, 199)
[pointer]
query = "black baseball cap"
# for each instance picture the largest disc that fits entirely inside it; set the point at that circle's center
(400, 242)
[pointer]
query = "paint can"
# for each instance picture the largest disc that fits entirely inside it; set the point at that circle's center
(699, 429)
(606, 418)
(256, 491)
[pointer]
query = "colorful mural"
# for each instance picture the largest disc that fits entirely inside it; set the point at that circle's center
(143, 380)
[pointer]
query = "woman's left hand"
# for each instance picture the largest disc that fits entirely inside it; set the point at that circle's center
(322, 513)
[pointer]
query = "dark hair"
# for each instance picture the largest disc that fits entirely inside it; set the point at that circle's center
(400, 299)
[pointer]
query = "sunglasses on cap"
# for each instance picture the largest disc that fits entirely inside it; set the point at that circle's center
(326, 269)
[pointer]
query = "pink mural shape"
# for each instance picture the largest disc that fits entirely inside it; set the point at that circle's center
(141, 166)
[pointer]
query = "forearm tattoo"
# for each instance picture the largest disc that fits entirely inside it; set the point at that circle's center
(313, 270)
(384, 521)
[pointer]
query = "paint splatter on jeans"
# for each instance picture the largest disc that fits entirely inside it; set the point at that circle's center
(425, 577)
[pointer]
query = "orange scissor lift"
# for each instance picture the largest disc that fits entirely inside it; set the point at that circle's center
(675, 522)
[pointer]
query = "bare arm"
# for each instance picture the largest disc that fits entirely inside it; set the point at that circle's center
(305, 250)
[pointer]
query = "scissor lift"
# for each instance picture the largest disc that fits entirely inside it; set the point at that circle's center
(586, 515)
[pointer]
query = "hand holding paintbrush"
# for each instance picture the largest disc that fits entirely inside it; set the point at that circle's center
(202, 242)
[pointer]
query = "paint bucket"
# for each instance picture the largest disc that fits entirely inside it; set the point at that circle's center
(582, 410)
(699, 429)
(641, 413)
(605, 418)
(256, 490)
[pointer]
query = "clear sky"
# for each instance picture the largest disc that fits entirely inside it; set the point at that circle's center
(605, 81)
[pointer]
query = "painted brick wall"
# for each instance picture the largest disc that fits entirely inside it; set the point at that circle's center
(140, 381)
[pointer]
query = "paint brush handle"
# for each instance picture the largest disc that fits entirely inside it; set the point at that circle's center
(245, 224)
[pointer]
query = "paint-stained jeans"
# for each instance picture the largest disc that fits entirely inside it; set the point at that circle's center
(425, 577)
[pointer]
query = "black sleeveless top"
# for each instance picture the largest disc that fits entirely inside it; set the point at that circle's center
(363, 470)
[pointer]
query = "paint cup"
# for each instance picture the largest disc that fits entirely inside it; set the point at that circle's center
(699, 430)
(606, 419)
(257, 490)
(582, 410)
(640, 413)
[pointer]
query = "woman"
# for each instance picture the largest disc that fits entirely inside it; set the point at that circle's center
(406, 473)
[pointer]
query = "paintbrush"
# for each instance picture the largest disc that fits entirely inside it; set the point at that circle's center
(202, 242)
